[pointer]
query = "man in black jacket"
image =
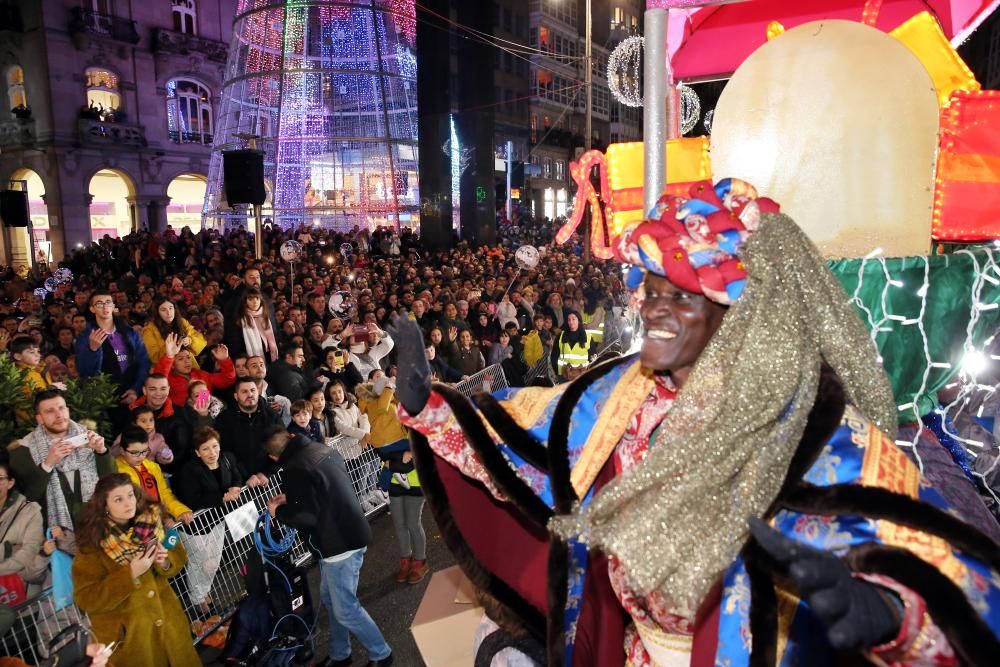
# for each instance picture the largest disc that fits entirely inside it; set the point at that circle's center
(286, 376)
(320, 501)
(241, 426)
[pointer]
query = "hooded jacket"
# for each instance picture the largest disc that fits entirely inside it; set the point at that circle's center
(381, 412)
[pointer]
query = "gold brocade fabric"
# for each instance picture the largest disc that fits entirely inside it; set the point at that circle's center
(678, 519)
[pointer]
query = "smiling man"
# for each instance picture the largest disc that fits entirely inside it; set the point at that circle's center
(710, 486)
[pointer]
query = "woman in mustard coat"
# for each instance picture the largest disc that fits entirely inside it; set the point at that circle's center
(121, 578)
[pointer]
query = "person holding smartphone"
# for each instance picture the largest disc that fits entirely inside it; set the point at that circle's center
(196, 413)
(121, 578)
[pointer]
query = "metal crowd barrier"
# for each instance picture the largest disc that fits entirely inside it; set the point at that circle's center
(36, 623)
(490, 379)
(218, 542)
(363, 466)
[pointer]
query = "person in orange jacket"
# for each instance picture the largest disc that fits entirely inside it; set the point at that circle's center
(178, 365)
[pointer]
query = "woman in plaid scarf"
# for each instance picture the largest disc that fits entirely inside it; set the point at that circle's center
(121, 578)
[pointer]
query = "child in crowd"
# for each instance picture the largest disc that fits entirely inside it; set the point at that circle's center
(303, 422)
(143, 417)
(134, 461)
(28, 359)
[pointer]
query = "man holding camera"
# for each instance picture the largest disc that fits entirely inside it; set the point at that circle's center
(58, 464)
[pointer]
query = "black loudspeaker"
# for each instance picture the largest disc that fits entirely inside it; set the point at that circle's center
(243, 174)
(14, 208)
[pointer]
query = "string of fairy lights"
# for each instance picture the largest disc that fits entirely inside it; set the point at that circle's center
(968, 369)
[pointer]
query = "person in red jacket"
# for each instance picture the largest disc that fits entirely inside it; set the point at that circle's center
(178, 365)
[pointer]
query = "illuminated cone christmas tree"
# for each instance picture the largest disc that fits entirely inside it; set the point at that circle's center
(330, 90)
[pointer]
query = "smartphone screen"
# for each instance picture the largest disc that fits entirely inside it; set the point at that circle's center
(203, 396)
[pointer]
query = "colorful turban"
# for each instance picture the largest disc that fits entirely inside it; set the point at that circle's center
(695, 243)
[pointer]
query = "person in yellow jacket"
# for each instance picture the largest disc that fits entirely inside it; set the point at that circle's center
(147, 474)
(593, 320)
(532, 348)
(164, 321)
(573, 349)
(377, 399)
(27, 357)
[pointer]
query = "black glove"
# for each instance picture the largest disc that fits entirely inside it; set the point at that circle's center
(413, 380)
(858, 615)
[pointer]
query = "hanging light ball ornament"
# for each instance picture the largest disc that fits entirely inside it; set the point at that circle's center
(709, 118)
(291, 251)
(51, 284)
(690, 108)
(341, 303)
(526, 257)
(625, 70)
(346, 249)
(40, 292)
(63, 275)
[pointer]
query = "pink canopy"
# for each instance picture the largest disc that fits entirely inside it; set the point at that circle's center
(714, 41)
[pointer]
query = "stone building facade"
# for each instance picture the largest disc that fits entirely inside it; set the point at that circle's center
(110, 107)
(557, 111)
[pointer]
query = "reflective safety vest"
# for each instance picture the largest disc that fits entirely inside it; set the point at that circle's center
(593, 324)
(573, 355)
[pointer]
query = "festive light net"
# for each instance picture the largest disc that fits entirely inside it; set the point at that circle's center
(329, 87)
(934, 320)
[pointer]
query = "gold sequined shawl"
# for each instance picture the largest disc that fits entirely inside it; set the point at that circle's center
(679, 518)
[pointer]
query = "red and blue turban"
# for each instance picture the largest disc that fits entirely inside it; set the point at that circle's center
(695, 243)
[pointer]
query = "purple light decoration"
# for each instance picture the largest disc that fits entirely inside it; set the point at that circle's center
(331, 88)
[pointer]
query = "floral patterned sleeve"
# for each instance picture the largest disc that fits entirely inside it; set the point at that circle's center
(920, 643)
(438, 424)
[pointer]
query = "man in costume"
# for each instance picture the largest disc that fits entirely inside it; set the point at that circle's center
(756, 395)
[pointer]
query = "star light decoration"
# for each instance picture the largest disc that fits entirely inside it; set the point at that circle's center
(625, 72)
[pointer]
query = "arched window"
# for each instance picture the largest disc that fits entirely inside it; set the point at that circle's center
(185, 16)
(102, 89)
(189, 112)
(16, 96)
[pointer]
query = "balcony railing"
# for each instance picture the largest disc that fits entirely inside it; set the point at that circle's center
(171, 42)
(87, 21)
(17, 132)
(190, 137)
(101, 133)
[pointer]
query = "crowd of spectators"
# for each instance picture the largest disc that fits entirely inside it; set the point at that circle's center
(210, 349)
